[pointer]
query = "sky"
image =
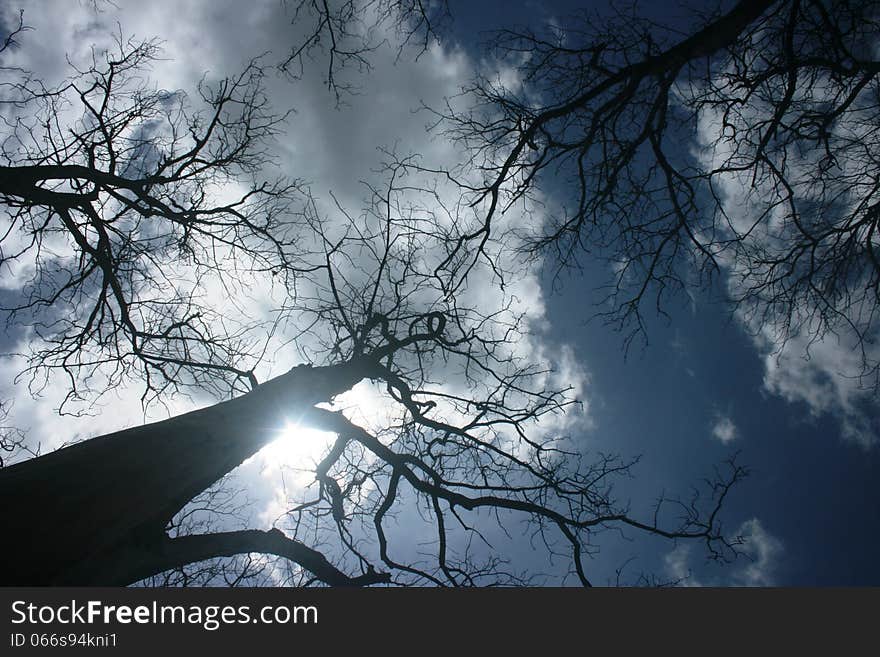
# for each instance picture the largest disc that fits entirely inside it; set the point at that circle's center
(702, 388)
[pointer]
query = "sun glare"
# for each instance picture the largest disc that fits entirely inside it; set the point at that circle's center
(298, 447)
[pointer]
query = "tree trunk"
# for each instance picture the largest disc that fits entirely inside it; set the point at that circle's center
(68, 513)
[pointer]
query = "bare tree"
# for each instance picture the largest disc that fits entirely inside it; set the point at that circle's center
(107, 181)
(123, 204)
(218, 508)
(748, 145)
(344, 33)
(13, 441)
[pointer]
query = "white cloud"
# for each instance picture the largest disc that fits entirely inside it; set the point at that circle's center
(724, 430)
(677, 565)
(804, 361)
(761, 551)
(764, 552)
(821, 376)
(334, 150)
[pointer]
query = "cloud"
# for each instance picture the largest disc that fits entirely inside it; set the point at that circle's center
(724, 430)
(813, 352)
(677, 566)
(761, 550)
(820, 375)
(764, 551)
(332, 150)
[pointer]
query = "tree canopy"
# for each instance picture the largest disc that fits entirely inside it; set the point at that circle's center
(778, 192)
(143, 225)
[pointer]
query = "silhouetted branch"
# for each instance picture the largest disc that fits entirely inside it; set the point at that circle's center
(779, 189)
(347, 32)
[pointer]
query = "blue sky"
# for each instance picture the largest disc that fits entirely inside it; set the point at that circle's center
(816, 492)
(811, 501)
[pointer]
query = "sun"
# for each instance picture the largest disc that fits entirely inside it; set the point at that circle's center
(298, 447)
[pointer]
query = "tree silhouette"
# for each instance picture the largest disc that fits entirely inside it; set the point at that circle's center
(778, 99)
(346, 33)
(125, 204)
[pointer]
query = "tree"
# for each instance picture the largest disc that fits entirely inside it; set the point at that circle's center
(779, 99)
(344, 34)
(124, 204)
